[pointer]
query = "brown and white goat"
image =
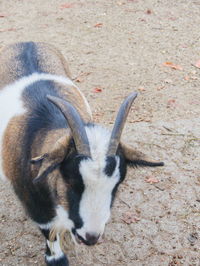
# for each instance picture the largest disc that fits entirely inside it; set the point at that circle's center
(64, 168)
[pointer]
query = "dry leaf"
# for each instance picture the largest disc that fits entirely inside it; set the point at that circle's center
(160, 88)
(97, 90)
(121, 3)
(67, 5)
(129, 218)
(148, 11)
(9, 29)
(98, 25)
(3, 15)
(197, 64)
(171, 103)
(142, 89)
(173, 66)
(152, 180)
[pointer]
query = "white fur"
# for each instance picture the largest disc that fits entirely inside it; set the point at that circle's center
(11, 103)
(98, 138)
(96, 199)
(60, 221)
(55, 249)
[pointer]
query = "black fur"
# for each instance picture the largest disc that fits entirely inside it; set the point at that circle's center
(42, 115)
(63, 261)
(143, 163)
(122, 170)
(28, 58)
(45, 232)
(70, 172)
(110, 165)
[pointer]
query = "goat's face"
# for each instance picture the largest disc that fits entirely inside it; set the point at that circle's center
(92, 170)
(91, 190)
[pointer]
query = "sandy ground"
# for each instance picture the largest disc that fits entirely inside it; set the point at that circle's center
(114, 48)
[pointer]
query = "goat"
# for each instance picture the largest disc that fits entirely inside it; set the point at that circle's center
(64, 168)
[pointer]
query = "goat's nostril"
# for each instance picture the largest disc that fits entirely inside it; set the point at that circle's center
(91, 238)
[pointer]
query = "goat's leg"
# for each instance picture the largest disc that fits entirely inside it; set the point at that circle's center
(41, 209)
(54, 255)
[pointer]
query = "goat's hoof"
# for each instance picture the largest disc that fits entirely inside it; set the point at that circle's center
(62, 261)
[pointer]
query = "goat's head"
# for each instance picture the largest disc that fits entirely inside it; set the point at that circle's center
(93, 163)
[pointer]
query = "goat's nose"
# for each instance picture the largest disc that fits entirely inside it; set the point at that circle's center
(91, 238)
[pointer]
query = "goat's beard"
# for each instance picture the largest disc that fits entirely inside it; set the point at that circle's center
(64, 237)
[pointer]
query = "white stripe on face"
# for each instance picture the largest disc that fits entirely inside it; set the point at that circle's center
(96, 199)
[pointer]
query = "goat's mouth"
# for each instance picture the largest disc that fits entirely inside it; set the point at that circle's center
(90, 241)
(78, 238)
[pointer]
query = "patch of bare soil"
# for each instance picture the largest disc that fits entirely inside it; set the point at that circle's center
(114, 48)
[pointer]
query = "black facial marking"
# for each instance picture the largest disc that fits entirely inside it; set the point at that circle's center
(70, 171)
(110, 165)
(122, 170)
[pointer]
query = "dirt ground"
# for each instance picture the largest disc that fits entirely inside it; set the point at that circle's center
(114, 48)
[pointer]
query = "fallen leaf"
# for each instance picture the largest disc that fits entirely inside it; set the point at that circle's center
(97, 90)
(143, 19)
(9, 29)
(197, 64)
(152, 180)
(142, 89)
(98, 25)
(121, 3)
(3, 15)
(129, 218)
(148, 12)
(67, 5)
(173, 66)
(160, 88)
(186, 78)
(173, 18)
(171, 103)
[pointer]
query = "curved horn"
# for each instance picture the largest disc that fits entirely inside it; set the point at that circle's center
(75, 123)
(119, 123)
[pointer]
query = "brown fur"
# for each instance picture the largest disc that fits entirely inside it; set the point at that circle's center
(134, 155)
(49, 154)
(73, 95)
(52, 62)
(12, 145)
(9, 66)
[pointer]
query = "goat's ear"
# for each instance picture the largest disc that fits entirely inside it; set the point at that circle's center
(51, 160)
(39, 159)
(136, 158)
